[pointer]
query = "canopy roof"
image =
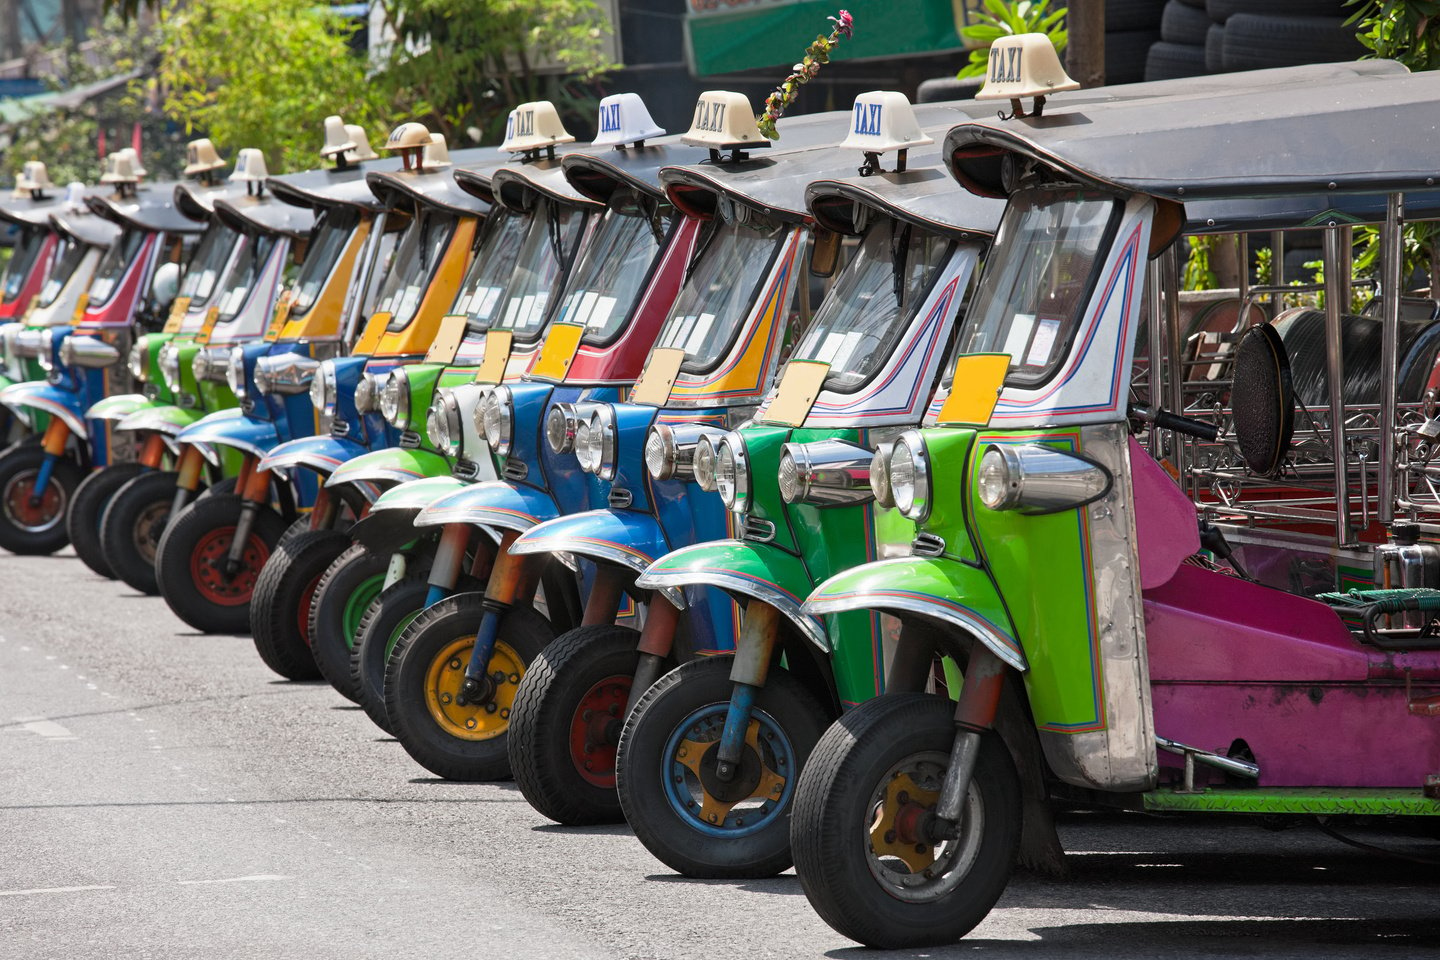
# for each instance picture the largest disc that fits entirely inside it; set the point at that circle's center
(85, 227)
(597, 173)
(333, 187)
(264, 214)
(152, 209)
(196, 200)
(435, 186)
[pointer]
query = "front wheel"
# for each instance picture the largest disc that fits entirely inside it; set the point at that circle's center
(30, 524)
(131, 526)
(568, 714)
(865, 850)
(425, 673)
(698, 824)
(284, 594)
(191, 563)
(87, 509)
(352, 581)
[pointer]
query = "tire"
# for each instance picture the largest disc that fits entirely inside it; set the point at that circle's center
(697, 694)
(131, 527)
(284, 593)
(185, 563)
(1193, 3)
(1215, 49)
(1184, 24)
(34, 529)
(1127, 15)
(566, 720)
(298, 526)
(1171, 61)
(87, 510)
(424, 663)
(381, 626)
(349, 584)
(1255, 42)
(1125, 55)
(1222, 10)
(219, 488)
(849, 779)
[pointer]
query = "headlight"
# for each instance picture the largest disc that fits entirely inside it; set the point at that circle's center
(1036, 479)
(365, 393)
(170, 366)
(395, 399)
(139, 358)
(561, 425)
(323, 388)
(497, 420)
(264, 382)
(910, 476)
(67, 352)
(671, 450)
(89, 352)
(826, 473)
(732, 473)
(442, 422)
(46, 356)
(705, 463)
(880, 475)
(235, 371)
(601, 438)
(587, 455)
(201, 365)
(287, 373)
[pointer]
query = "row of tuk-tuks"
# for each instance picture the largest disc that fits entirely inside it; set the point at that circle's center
(486, 439)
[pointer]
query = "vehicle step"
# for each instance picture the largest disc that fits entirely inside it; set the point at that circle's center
(1298, 800)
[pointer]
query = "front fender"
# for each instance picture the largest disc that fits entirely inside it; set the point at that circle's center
(231, 428)
(321, 454)
(121, 406)
(40, 395)
(494, 503)
(390, 524)
(393, 464)
(745, 568)
(163, 418)
(954, 593)
(627, 537)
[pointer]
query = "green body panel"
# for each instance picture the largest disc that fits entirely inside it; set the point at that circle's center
(399, 464)
(416, 494)
(1311, 801)
(764, 563)
(170, 413)
(453, 377)
(122, 405)
(763, 446)
(215, 395)
(423, 378)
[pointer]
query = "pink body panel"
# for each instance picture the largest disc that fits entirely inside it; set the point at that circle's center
(34, 280)
(120, 309)
(1165, 526)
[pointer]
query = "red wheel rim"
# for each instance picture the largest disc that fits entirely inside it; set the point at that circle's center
(33, 517)
(207, 563)
(595, 730)
(307, 599)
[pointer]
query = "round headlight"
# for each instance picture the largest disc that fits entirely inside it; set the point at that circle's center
(586, 452)
(138, 357)
(561, 423)
(47, 348)
(170, 366)
(201, 365)
(602, 441)
(705, 464)
(910, 477)
(323, 388)
(994, 480)
(880, 475)
(497, 420)
(791, 486)
(660, 453)
(67, 352)
(395, 399)
(365, 393)
(732, 479)
(436, 428)
(235, 372)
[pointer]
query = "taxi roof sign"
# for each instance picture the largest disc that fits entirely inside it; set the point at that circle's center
(408, 136)
(119, 168)
(883, 120)
(201, 157)
(1024, 65)
(34, 176)
(346, 141)
(534, 126)
(624, 119)
(437, 153)
(250, 167)
(724, 121)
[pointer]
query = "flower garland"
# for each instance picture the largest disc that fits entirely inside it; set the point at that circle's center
(803, 72)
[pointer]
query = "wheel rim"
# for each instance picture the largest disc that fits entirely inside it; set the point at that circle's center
(595, 730)
(446, 675)
(149, 525)
(33, 517)
(207, 561)
(900, 856)
(355, 606)
(760, 791)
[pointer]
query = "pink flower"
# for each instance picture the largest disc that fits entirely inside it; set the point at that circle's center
(844, 24)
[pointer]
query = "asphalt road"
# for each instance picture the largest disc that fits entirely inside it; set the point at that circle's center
(163, 795)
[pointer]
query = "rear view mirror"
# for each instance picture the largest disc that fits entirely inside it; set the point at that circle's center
(824, 252)
(166, 283)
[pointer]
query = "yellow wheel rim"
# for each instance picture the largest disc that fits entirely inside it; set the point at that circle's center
(445, 677)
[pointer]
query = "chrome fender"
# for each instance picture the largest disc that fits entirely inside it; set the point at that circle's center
(49, 399)
(230, 428)
(321, 454)
(393, 464)
(494, 503)
(390, 524)
(121, 406)
(163, 418)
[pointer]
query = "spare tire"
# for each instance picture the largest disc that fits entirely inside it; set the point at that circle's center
(1182, 24)
(1222, 10)
(1254, 42)
(1215, 48)
(1125, 55)
(1170, 61)
(1126, 16)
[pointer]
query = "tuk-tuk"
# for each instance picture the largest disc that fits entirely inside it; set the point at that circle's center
(1121, 643)
(25, 214)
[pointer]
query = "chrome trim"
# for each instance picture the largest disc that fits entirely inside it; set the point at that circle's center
(740, 494)
(997, 643)
(561, 423)
(88, 352)
(758, 530)
(745, 587)
(677, 446)
(880, 475)
(1037, 479)
(515, 470)
(285, 373)
(919, 507)
(619, 498)
(826, 473)
(927, 545)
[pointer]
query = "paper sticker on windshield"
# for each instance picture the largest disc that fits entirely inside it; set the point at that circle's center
(799, 387)
(178, 309)
(282, 317)
(558, 352)
(1043, 342)
(497, 355)
(447, 339)
(658, 378)
(374, 330)
(975, 389)
(212, 317)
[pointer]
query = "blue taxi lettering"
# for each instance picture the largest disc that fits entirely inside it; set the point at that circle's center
(1005, 65)
(510, 127)
(525, 123)
(867, 118)
(710, 116)
(610, 118)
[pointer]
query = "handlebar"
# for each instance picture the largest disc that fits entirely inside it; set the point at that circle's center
(1165, 420)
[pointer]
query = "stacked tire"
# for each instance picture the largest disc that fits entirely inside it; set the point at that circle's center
(1215, 36)
(1132, 27)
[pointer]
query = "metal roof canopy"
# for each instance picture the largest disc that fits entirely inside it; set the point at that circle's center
(151, 209)
(434, 187)
(196, 200)
(85, 227)
(27, 211)
(598, 174)
(333, 187)
(1323, 130)
(478, 180)
(264, 214)
(518, 185)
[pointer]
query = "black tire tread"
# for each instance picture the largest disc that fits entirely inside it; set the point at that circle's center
(354, 564)
(117, 527)
(172, 561)
(274, 613)
(1254, 42)
(18, 458)
(87, 510)
(1181, 23)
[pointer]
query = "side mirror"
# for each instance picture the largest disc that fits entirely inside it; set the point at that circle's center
(166, 283)
(824, 251)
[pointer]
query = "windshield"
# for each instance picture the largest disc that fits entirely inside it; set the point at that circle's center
(872, 302)
(720, 290)
(244, 274)
(1037, 279)
(613, 268)
(27, 250)
(113, 265)
(549, 246)
(66, 262)
(416, 257)
(327, 241)
(207, 263)
(494, 261)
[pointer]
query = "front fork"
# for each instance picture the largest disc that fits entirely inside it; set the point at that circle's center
(657, 640)
(450, 560)
(513, 578)
(190, 467)
(152, 451)
(57, 436)
(254, 487)
(754, 649)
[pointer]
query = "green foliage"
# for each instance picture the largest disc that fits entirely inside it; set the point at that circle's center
(467, 63)
(1198, 275)
(1403, 30)
(1001, 19)
(265, 73)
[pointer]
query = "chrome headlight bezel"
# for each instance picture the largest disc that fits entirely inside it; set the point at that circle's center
(235, 371)
(732, 472)
(87, 352)
(365, 393)
(562, 424)
(443, 423)
(496, 414)
(324, 388)
(880, 475)
(285, 373)
(170, 367)
(703, 463)
(603, 438)
(909, 472)
(395, 399)
(1035, 479)
(46, 356)
(825, 473)
(139, 361)
(671, 449)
